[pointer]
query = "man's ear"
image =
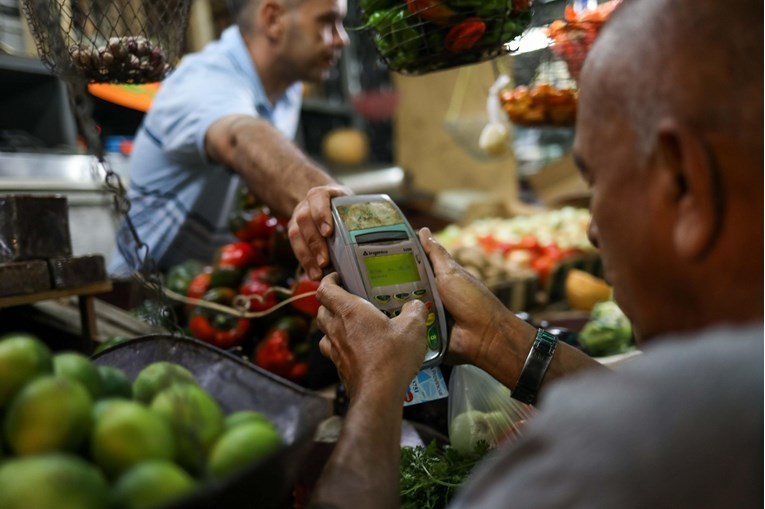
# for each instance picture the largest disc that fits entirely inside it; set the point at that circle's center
(271, 19)
(695, 183)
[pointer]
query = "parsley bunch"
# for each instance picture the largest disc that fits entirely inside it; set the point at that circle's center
(431, 474)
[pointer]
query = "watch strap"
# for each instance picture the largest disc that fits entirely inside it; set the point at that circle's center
(535, 367)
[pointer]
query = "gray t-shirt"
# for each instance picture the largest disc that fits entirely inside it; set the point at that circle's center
(679, 426)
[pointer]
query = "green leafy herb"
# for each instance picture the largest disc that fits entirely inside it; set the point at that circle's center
(430, 475)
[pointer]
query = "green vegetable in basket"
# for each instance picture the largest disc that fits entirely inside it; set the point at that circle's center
(397, 39)
(608, 332)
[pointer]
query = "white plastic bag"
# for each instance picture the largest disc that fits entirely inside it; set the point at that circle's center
(481, 409)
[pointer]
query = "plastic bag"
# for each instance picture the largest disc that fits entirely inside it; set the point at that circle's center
(481, 409)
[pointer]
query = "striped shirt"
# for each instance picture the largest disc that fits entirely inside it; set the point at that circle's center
(180, 200)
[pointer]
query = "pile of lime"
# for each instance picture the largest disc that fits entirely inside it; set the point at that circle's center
(77, 435)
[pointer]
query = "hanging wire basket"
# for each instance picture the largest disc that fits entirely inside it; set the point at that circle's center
(550, 99)
(421, 36)
(109, 41)
(574, 35)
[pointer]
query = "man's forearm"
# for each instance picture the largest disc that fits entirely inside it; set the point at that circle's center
(272, 166)
(363, 470)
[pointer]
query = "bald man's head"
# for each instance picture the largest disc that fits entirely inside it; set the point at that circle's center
(699, 61)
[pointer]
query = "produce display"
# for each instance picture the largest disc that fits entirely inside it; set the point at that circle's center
(251, 295)
(80, 434)
(501, 249)
(420, 36)
(542, 104)
(573, 36)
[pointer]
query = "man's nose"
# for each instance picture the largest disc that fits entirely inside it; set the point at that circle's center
(340, 36)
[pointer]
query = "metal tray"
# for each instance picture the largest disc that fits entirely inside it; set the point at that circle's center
(237, 384)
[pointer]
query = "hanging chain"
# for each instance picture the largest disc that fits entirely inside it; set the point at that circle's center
(146, 270)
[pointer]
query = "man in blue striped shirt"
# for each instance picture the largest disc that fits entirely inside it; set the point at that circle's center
(225, 118)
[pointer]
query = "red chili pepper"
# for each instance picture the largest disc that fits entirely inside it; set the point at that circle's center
(308, 305)
(237, 255)
(464, 35)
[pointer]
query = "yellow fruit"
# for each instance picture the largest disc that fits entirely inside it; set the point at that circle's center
(114, 382)
(583, 290)
(158, 376)
(79, 368)
(22, 358)
(50, 413)
(150, 484)
(196, 421)
(345, 146)
(54, 480)
(243, 445)
(128, 433)
(244, 417)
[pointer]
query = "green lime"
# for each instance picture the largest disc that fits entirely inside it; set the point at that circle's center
(50, 413)
(114, 382)
(243, 445)
(196, 420)
(158, 376)
(53, 480)
(153, 483)
(128, 433)
(78, 367)
(243, 417)
(22, 358)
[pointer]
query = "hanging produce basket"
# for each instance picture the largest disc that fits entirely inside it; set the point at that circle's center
(420, 36)
(574, 35)
(550, 99)
(109, 41)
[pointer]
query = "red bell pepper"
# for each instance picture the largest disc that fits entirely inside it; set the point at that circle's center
(257, 223)
(464, 35)
(218, 329)
(284, 348)
(237, 255)
(308, 304)
(264, 299)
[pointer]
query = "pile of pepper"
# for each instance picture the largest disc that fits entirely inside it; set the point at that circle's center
(419, 36)
(261, 266)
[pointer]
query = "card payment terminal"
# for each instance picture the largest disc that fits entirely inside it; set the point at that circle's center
(379, 257)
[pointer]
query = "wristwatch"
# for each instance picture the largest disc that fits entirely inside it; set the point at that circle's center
(535, 367)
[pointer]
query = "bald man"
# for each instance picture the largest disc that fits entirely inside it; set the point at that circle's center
(669, 137)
